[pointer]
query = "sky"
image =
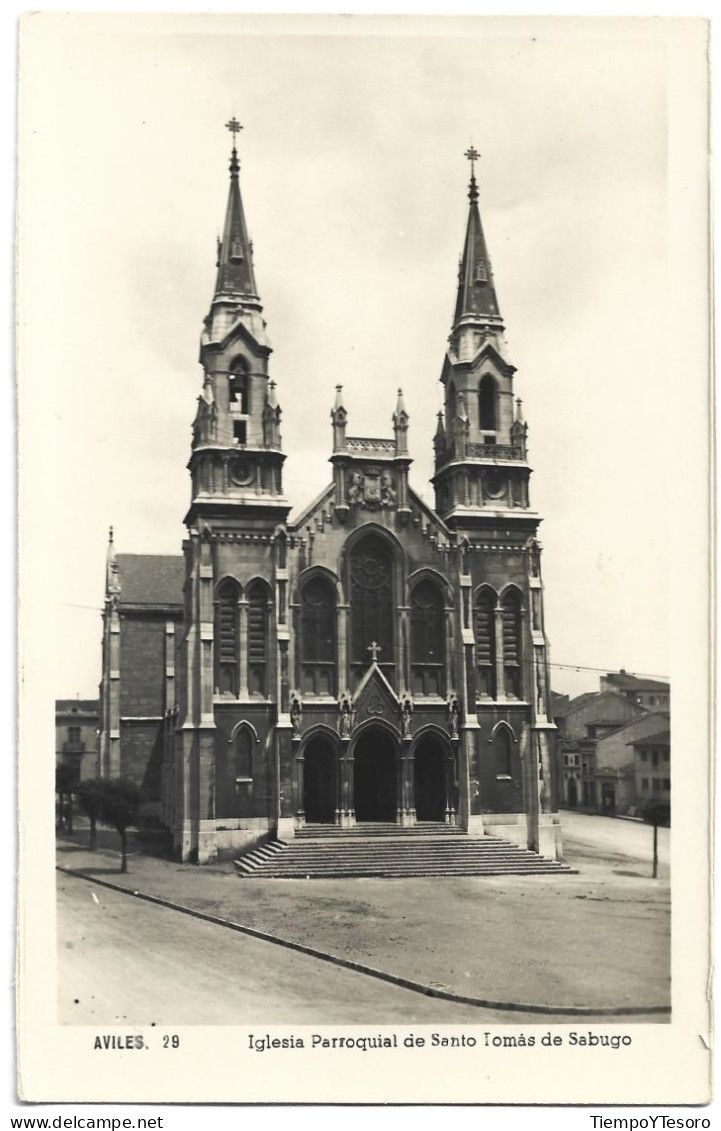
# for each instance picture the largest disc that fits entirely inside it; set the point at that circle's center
(354, 184)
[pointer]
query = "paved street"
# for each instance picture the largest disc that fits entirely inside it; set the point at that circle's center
(612, 840)
(552, 941)
(123, 961)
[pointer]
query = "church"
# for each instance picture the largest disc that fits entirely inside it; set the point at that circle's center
(371, 661)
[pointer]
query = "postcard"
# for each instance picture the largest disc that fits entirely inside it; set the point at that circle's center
(364, 445)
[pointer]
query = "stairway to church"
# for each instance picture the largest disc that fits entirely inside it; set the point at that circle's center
(391, 852)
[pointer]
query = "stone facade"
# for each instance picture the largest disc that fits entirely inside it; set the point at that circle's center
(370, 660)
(76, 736)
(595, 749)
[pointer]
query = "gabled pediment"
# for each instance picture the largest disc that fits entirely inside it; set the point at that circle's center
(486, 351)
(238, 332)
(375, 698)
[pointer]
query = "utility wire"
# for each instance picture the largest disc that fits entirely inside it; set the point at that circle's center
(570, 667)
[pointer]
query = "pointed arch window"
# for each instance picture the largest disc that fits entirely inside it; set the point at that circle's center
(485, 633)
(488, 404)
(258, 624)
(318, 637)
(238, 386)
(427, 639)
(243, 754)
(227, 635)
(503, 752)
(511, 623)
(371, 599)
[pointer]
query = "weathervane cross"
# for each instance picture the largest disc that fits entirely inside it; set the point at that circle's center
(374, 649)
(472, 154)
(234, 126)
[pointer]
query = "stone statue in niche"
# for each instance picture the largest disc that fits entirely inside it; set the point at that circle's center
(345, 709)
(453, 715)
(388, 491)
(541, 685)
(296, 712)
(355, 490)
(406, 713)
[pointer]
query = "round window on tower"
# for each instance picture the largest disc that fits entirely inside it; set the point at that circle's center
(241, 472)
(494, 484)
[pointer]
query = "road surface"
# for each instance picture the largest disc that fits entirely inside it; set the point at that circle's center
(585, 834)
(126, 962)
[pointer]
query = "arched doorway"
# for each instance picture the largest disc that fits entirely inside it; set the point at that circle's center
(374, 777)
(319, 782)
(572, 793)
(608, 799)
(430, 780)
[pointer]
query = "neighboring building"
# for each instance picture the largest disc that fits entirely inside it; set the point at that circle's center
(651, 693)
(373, 659)
(76, 736)
(652, 766)
(142, 617)
(615, 777)
(595, 766)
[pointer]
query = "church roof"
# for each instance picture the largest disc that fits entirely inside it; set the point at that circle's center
(151, 579)
(476, 290)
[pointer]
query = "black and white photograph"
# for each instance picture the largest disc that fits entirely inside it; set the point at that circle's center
(364, 547)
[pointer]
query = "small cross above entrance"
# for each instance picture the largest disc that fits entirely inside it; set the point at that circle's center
(374, 649)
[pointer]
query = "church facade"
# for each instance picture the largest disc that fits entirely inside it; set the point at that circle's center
(372, 660)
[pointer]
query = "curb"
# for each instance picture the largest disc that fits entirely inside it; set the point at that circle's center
(370, 971)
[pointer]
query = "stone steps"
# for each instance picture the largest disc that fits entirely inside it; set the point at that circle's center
(400, 853)
(377, 829)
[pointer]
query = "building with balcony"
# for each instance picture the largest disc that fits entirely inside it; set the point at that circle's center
(76, 736)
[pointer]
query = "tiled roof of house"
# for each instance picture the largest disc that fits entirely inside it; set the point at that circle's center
(559, 704)
(151, 579)
(660, 738)
(68, 706)
(580, 700)
(627, 682)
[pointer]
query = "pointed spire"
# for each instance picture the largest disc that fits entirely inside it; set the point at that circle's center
(461, 408)
(111, 567)
(272, 399)
(235, 261)
(476, 291)
(519, 411)
(400, 425)
(339, 419)
(440, 427)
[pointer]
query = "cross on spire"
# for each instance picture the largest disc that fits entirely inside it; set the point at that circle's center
(234, 126)
(374, 649)
(472, 154)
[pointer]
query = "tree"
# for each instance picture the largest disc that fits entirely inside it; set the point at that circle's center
(90, 794)
(656, 813)
(64, 782)
(120, 800)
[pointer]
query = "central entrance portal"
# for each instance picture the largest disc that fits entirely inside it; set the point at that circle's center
(374, 777)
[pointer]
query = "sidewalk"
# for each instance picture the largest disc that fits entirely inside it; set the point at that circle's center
(548, 941)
